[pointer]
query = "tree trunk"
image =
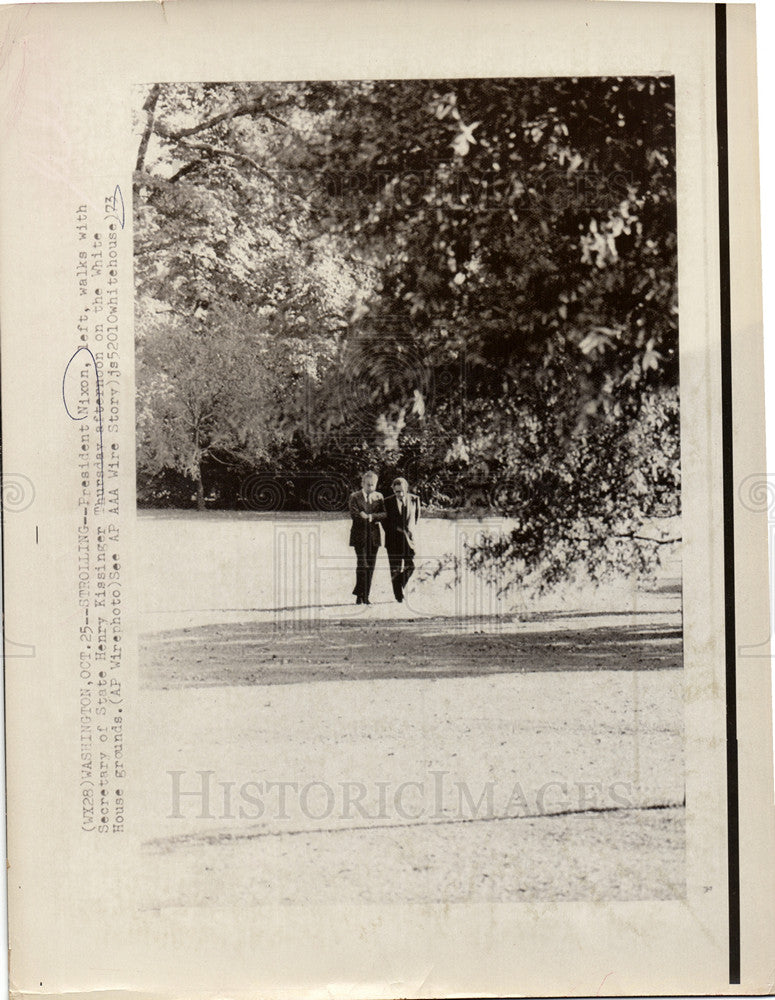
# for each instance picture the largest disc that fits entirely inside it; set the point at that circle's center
(200, 490)
(150, 109)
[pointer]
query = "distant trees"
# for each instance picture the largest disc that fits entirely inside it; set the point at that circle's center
(236, 310)
(471, 280)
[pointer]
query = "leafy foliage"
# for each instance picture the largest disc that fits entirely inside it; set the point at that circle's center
(472, 282)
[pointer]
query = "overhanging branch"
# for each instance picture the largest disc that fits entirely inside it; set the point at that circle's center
(221, 151)
(253, 108)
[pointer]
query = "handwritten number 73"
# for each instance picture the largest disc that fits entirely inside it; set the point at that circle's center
(114, 207)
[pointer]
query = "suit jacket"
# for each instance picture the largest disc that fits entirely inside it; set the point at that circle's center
(365, 533)
(400, 525)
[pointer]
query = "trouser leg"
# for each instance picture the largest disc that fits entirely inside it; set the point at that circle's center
(394, 558)
(408, 568)
(360, 573)
(370, 558)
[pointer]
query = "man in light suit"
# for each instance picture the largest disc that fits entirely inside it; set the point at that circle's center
(403, 513)
(367, 509)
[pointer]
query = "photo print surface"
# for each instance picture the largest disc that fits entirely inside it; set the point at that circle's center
(408, 479)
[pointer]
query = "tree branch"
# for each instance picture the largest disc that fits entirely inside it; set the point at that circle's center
(143, 249)
(185, 170)
(220, 151)
(254, 108)
(645, 538)
(150, 108)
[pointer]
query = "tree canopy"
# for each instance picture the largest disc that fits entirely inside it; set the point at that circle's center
(472, 282)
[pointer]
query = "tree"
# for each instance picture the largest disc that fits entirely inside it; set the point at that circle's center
(506, 310)
(527, 231)
(237, 312)
(224, 389)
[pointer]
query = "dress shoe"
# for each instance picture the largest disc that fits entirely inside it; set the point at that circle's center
(359, 600)
(399, 598)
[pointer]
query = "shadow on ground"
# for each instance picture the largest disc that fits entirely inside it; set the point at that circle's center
(287, 652)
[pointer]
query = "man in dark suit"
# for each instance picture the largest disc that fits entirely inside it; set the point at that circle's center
(367, 509)
(403, 513)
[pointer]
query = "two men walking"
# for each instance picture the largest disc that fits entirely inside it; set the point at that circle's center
(398, 515)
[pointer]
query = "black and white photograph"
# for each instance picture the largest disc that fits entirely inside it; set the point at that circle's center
(408, 463)
(385, 521)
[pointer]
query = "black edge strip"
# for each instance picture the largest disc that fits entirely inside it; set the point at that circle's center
(733, 817)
